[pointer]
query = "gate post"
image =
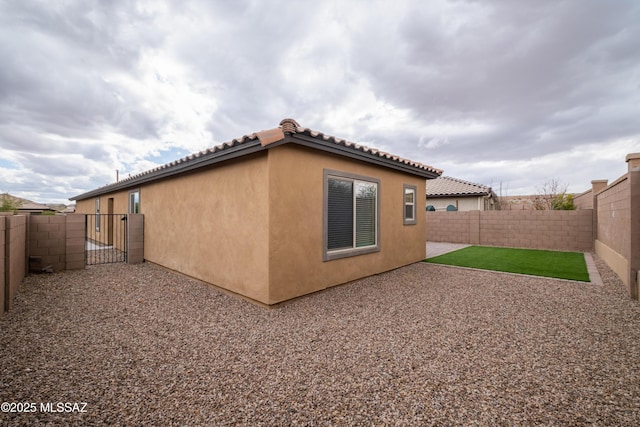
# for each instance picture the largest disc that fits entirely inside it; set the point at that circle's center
(75, 242)
(135, 238)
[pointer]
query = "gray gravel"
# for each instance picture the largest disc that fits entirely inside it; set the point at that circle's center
(421, 345)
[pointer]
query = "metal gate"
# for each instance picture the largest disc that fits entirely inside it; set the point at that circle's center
(105, 238)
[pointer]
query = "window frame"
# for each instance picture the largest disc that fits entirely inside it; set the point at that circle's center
(405, 220)
(131, 207)
(331, 254)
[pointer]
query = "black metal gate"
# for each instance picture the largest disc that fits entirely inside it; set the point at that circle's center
(105, 238)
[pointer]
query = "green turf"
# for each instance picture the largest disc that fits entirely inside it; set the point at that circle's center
(561, 265)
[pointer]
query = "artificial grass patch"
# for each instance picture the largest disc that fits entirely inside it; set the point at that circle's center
(561, 265)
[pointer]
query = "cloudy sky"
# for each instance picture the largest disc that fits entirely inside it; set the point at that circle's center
(504, 93)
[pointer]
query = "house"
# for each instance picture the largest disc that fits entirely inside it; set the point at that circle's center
(24, 206)
(277, 214)
(31, 208)
(452, 194)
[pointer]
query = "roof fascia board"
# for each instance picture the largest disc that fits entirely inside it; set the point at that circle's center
(335, 148)
(206, 160)
(254, 146)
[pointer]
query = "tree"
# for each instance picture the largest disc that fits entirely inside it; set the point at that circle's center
(553, 196)
(563, 202)
(8, 204)
(501, 203)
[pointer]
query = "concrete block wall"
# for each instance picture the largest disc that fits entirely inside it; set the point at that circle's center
(47, 237)
(74, 241)
(14, 259)
(634, 219)
(617, 239)
(58, 240)
(452, 227)
(556, 230)
(613, 212)
(2, 256)
(584, 200)
(135, 237)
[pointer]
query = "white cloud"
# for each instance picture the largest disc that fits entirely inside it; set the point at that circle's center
(489, 91)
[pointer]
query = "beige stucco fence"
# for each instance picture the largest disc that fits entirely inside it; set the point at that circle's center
(607, 221)
(56, 241)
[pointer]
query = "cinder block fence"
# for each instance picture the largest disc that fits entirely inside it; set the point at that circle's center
(54, 241)
(58, 241)
(555, 230)
(13, 254)
(607, 221)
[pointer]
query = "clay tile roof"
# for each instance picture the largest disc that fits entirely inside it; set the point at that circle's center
(361, 148)
(289, 125)
(255, 141)
(446, 186)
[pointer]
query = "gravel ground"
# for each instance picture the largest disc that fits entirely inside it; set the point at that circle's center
(421, 345)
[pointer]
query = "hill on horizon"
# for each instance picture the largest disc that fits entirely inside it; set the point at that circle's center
(21, 201)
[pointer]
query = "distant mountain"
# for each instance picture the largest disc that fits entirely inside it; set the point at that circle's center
(19, 201)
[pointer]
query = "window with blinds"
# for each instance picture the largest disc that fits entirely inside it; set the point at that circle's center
(351, 215)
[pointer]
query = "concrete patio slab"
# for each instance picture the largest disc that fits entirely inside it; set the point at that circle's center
(440, 248)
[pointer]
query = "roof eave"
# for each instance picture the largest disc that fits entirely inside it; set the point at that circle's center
(208, 159)
(329, 144)
(320, 143)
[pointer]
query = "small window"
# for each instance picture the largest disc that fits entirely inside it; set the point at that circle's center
(451, 208)
(410, 204)
(351, 205)
(134, 201)
(431, 208)
(98, 214)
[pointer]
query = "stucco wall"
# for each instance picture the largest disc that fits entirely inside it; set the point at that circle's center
(254, 225)
(119, 205)
(558, 230)
(212, 225)
(296, 223)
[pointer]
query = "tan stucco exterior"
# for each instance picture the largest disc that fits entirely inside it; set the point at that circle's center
(296, 222)
(213, 225)
(254, 225)
(110, 203)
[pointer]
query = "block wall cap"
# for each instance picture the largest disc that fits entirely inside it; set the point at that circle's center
(632, 156)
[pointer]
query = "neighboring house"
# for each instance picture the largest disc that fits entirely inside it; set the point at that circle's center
(450, 194)
(277, 214)
(24, 206)
(33, 208)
